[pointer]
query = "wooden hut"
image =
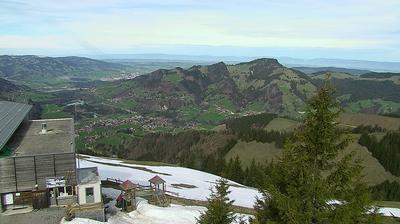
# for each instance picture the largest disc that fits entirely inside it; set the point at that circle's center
(158, 188)
(128, 196)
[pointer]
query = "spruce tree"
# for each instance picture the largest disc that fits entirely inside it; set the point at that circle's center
(228, 171)
(237, 171)
(219, 208)
(310, 183)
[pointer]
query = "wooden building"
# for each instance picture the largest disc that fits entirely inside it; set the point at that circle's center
(127, 199)
(42, 162)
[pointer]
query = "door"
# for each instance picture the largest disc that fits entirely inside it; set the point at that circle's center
(40, 199)
(89, 195)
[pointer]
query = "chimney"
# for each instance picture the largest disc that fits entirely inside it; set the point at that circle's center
(44, 128)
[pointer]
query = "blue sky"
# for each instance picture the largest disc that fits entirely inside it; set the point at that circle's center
(352, 29)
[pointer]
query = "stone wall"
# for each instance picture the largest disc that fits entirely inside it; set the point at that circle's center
(67, 200)
(95, 214)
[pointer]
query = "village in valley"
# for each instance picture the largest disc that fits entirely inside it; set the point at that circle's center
(42, 177)
(199, 112)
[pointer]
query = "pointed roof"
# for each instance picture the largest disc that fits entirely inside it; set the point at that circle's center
(127, 185)
(157, 180)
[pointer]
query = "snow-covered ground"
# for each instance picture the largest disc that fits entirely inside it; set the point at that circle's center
(148, 214)
(390, 212)
(175, 214)
(243, 196)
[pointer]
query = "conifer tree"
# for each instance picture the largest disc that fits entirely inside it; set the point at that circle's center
(237, 171)
(228, 171)
(310, 183)
(219, 208)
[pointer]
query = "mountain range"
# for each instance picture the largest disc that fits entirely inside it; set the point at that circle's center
(378, 66)
(42, 72)
(208, 93)
(262, 85)
(162, 115)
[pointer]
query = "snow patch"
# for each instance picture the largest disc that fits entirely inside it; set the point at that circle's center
(244, 196)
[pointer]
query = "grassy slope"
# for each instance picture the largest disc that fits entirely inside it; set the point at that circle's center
(53, 111)
(375, 104)
(345, 119)
(374, 172)
(247, 151)
(282, 124)
(390, 204)
(389, 123)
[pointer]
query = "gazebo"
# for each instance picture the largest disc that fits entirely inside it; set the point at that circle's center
(128, 196)
(158, 188)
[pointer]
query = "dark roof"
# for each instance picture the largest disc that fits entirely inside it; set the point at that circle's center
(127, 185)
(88, 175)
(30, 140)
(156, 180)
(11, 116)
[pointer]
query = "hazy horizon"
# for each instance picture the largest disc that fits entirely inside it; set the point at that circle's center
(355, 29)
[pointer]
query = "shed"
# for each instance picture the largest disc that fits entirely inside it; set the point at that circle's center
(89, 185)
(127, 199)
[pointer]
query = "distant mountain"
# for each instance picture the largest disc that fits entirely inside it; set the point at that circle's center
(7, 86)
(313, 70)
(49, 71)
(206, 95)
(380, 75)
(13, 92)
(259, 85)
(376, 66)
(211, 93)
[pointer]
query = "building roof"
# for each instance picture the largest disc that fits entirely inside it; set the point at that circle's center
(88, 175)
(11, 116)
(127, 185)
(30, 140)
(157, 180)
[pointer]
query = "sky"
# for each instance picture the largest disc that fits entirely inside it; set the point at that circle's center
(345, 29)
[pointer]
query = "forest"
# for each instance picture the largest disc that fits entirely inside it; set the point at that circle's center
(386, 150)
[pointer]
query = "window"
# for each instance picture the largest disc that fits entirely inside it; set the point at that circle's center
(70, 190)
(89, 191)
(64, 191)
(61, 190)
(89, 195)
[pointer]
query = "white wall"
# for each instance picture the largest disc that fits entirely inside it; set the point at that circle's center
(96, 192)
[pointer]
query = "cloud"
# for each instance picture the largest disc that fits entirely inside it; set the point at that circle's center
(112, 25)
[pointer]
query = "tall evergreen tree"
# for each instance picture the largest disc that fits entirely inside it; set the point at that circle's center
(219, 208)
(228, 169)
(310, 183)
(237, 171)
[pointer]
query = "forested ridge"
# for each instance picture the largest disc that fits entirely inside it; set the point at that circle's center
(207, 150)
(386, 150)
